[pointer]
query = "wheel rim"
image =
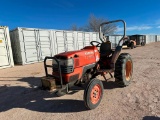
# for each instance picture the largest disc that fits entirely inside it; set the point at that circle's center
(128, 70)
(95, 94)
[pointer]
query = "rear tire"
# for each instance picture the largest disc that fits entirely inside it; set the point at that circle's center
(93, 93)
(123, 69)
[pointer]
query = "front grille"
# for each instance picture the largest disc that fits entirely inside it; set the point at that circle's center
(64, 69)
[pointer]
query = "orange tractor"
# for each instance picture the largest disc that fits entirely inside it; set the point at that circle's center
(80, 67)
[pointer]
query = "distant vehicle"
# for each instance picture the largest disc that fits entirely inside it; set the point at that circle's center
(140, 39)
(129, 43)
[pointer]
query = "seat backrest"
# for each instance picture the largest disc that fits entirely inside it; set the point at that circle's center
(105, 48)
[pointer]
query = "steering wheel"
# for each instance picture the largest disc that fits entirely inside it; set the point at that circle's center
(98, 43)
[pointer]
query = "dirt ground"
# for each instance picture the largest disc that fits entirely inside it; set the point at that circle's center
(22, 99)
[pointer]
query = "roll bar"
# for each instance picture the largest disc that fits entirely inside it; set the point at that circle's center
(100, 29)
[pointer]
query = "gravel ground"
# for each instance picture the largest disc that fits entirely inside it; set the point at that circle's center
(21, 98)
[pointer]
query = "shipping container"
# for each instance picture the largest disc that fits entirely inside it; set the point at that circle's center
(32, 45)
(150, 38)
(6, 57)
(158, 38)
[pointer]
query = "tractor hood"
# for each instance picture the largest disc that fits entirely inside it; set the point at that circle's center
(69, 54)
(77, 53)
(87, 55)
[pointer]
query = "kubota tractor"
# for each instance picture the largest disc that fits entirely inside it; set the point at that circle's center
(80, 67)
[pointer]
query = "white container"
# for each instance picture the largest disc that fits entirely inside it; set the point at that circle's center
(150, 38)
(32, 45)
(158, 38)
(6, 58)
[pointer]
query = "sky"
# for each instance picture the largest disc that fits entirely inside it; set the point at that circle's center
(141, 16)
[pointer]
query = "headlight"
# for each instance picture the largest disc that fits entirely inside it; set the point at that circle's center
(68, 62)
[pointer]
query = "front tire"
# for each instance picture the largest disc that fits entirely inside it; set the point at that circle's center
(93, 93)
(123, 69)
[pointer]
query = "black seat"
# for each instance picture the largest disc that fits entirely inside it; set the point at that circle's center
(105, 49)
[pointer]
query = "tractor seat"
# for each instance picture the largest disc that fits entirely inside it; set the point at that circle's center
(106, 49)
